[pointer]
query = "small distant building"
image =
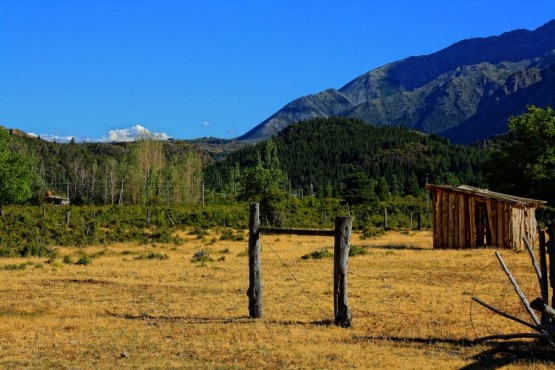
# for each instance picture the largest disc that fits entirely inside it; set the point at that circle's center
(468, 217)
(57, 200)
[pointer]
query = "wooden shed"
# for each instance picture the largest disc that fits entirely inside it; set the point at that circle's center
(468, 217)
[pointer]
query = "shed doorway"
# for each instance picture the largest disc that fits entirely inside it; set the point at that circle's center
(483, 232)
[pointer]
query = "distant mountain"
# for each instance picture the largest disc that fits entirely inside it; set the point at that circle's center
(464, 92)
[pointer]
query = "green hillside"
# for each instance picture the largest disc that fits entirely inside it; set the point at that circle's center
(324, 153)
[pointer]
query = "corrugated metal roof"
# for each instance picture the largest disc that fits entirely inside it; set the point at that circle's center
(490, 194)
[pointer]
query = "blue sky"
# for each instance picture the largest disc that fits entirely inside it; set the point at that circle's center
(212, 68)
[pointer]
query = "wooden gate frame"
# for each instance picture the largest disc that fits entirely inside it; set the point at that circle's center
(342, 235)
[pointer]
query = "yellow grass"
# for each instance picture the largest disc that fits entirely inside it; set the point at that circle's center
(411, 307)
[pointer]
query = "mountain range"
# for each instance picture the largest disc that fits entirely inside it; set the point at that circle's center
(465, 92)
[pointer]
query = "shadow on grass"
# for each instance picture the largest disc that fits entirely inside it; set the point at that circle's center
(214, 320)
(398, 247)
(505, 353)
(432, 341)
(184, 319)
(496, 355)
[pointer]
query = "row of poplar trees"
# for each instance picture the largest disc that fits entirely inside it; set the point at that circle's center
(147, 171)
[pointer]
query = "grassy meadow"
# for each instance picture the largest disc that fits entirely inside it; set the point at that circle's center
(150, 306)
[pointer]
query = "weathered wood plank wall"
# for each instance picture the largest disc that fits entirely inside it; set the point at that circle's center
(454, 222)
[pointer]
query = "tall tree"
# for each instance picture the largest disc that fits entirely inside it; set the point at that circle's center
(359, 189)
(524, 163)
(146, 161)
(16, 173)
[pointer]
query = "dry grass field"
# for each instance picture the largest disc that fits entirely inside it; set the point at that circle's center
(411, 307)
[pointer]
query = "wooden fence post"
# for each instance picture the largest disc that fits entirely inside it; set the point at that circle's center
(148, 216)
(551, 253)
(67, 217)
(385, 218)
(255, 284)
(543, 269)
(343, 227)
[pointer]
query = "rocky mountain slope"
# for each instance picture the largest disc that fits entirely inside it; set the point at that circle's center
(465, 92)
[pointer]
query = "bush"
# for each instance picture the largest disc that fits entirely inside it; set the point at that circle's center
(37, 250)
(201, 256)
(317, 255)
(371, 232)
(84, 260)
(228, 234)
(356, 250)
(152, 256)
(13, 267)
(199, 232)
(5, 252)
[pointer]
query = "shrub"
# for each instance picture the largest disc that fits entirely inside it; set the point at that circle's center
(37, 250)
(152, 256)
(228, 234)
(84, 260)
(371, 232)
(199, 232)
(201, 256)
(317, 255)
(13, 267)
(356, 250)
(54, 262)
(5, 252)
(67, 260)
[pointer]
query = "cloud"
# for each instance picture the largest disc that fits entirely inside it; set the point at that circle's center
(124, 134)
(133, 133)
(206, 123)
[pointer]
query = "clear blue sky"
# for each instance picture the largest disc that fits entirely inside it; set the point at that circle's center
(212, 68)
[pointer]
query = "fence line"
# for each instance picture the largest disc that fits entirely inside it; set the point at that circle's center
(342, 235)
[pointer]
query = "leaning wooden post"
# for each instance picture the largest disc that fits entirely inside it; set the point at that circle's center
(343, 227)
(255, 284)
(543, 265)
(551, 253)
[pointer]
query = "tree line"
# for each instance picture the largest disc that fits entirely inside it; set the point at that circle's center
(144, 172)
(343, 160)
(342, 157)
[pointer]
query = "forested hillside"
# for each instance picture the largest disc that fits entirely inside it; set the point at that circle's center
(147, 171)
(323, 154)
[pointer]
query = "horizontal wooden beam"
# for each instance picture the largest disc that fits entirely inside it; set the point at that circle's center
(306, 232)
